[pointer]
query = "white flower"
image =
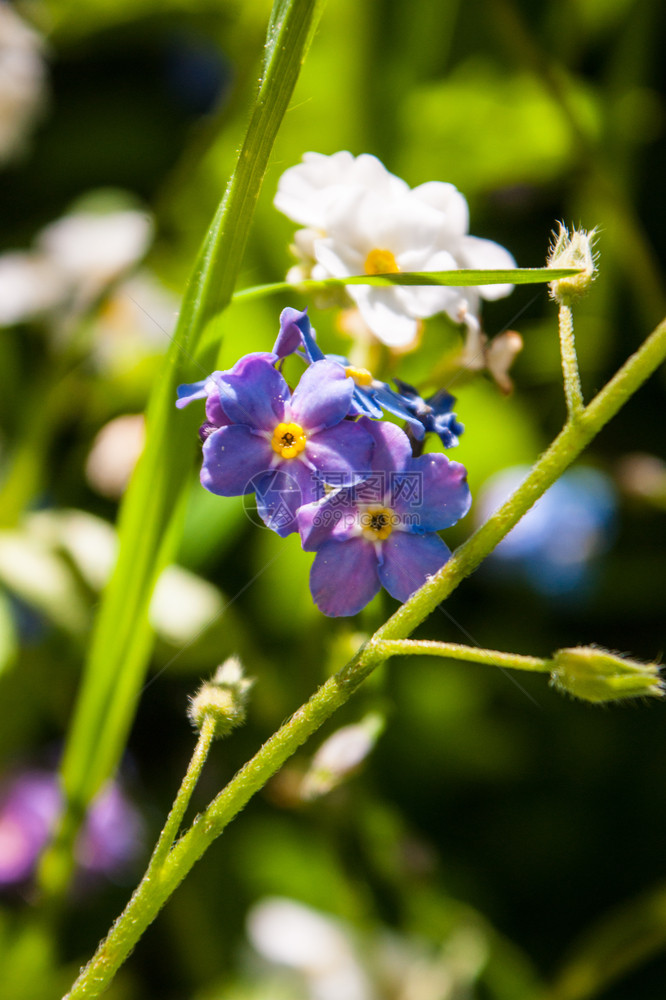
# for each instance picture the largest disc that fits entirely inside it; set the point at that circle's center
(74, 260)
(361, 219)
(306, 192)
(92, 249)
(318, 946)
(22, 81)
(29, 287)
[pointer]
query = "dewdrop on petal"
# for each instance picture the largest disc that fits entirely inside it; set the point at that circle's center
(595, 674)
(224, 698)
(572, 250)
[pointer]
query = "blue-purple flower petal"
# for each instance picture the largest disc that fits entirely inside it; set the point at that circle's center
(232, 458)
(392, 451)
(254, 393)
(322, 397)
(340, 454)
(432, 491)
(296, 334)
(408, 559)
(344, 578)
(330, 519)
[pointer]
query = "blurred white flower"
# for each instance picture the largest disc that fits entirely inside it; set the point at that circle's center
(74, 260)
(361, 219)
(114, 453)
(91, 249)
(22, 81)
(317, 946)
(332, 966)
(340, 755)
(29, 287)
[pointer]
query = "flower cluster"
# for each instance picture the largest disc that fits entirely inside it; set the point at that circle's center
(321, 463)
(360, 219)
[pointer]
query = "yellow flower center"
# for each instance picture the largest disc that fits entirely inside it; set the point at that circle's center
(377, 523)
(360, 375)
(288, 440)
(381, 262)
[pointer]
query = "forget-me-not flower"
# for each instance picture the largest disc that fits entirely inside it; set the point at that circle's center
(382, 531)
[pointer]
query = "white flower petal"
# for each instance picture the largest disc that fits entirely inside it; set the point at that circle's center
(484, 255)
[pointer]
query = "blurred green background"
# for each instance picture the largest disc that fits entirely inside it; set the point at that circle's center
(487, 804)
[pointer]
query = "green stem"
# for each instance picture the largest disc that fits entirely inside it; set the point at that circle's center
(182, 800)
(458, 278)
(572, 388)
(154, 891)
(455, 651)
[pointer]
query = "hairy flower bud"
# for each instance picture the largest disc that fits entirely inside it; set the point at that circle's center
(595, 674)
(224, 698)
(572, 250)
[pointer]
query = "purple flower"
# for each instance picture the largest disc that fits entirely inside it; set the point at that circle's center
(29, 807)
(370, 396)
(382, 531)
(208, 389)
(434, 413)
(283, 446)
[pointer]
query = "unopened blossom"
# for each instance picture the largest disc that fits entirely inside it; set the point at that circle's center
(361, 219)
(283, 446)
(22, 81)
(383, 531)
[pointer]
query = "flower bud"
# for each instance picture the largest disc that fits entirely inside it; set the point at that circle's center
(340, 755)
(595, 674)
(575, 250)
(224, 698)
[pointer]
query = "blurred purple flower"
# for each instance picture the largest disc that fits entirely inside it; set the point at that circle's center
(382, 532)
(29, 806)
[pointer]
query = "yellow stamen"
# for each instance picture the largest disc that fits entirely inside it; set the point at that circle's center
(377, 523)
(381, 262)
(288, 440)
(360, 375)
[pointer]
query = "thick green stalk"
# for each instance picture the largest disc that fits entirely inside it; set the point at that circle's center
(156, 887)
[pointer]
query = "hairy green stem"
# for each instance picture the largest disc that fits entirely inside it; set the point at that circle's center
(572, 388)
(159, 884)
(456, 651)
(182, 800)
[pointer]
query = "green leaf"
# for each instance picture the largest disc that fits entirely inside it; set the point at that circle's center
(150, 516)
(461, 278)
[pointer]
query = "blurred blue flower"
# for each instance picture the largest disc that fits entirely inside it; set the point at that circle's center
(382, 532)
(553, 547)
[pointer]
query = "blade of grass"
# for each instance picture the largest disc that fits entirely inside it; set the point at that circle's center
(149, 521)
(461, 278)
